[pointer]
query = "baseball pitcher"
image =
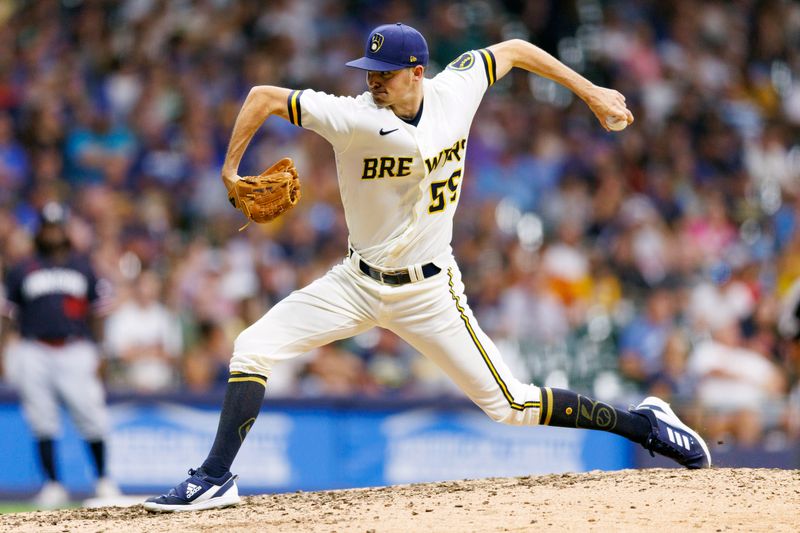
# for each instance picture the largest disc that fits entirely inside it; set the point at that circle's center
(400, 149)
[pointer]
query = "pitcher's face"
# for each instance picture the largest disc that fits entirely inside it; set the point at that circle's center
(389, 86)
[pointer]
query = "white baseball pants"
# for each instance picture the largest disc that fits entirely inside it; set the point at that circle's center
(44, 375)
(432, 315)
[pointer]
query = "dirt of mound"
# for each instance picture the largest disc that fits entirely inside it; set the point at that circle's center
(628, 500)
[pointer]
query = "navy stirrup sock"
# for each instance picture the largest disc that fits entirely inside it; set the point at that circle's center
(243, 398)
(47, 458)
(98, 449)
(563, 408)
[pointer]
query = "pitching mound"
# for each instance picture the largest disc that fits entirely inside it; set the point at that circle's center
(629, 500)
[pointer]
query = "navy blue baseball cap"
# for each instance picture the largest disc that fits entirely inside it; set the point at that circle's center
(393, 47)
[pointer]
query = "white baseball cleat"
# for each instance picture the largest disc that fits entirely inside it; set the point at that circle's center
(106, 488)
(670, 437)
(200, 491)
(52, 495)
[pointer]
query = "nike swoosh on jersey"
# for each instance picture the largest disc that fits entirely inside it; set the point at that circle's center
(387, 132)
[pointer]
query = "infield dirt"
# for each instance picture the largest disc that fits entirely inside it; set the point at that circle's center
(629, 500)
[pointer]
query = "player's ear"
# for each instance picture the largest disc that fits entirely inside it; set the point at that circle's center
(417, 72)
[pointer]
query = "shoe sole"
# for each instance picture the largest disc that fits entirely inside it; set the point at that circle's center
(214, 503)
(664, 406)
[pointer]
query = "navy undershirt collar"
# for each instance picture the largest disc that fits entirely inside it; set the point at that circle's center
(414, 121)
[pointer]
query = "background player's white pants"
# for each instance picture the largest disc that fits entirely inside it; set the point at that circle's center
(431, 315)
(45, 374)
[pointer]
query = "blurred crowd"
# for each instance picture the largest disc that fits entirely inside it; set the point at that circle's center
(659, 259)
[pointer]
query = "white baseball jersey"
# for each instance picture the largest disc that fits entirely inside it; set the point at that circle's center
(400, 186)
(400, 182)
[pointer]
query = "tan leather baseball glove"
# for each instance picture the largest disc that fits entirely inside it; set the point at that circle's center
(267, 196)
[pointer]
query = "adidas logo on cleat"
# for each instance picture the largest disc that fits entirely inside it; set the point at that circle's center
(678, 438)
(191, 490)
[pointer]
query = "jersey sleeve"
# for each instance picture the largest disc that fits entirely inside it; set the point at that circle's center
(328, 115)
(469, 75)
(11, 293)
(92, 293)
(12, 285)
(99, 291)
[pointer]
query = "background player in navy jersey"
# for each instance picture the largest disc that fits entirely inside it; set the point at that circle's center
(52, 298)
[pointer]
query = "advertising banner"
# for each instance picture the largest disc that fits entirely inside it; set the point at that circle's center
(310, 448)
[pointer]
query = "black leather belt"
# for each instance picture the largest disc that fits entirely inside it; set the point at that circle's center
(395, 277)
(56, 342)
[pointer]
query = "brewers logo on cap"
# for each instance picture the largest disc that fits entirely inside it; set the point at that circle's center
(392, 47)
(377, 42)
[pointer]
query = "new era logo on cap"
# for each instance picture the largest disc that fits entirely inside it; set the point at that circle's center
(393, 47)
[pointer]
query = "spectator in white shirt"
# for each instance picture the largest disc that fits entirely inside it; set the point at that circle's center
(144, 338)
(737, 388)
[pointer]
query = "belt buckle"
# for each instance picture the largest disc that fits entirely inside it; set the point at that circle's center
(395, 280)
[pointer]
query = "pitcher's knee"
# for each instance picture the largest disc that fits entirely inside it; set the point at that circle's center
(245, 339)
(254, 341)
(249, 354)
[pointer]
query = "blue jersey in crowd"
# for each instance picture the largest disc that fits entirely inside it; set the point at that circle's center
(53, 300)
